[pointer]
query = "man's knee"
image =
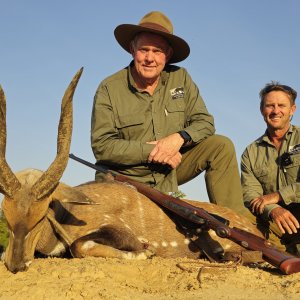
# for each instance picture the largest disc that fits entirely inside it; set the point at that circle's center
(224, 143)
(219, 146)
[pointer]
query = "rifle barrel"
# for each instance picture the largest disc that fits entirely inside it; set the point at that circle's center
(287, 263)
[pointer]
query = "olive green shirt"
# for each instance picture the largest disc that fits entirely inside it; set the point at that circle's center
(124, 119)
(263, 171)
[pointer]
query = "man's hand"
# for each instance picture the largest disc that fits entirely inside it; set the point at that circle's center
(166, 150)
(285, 220)
(258, 204)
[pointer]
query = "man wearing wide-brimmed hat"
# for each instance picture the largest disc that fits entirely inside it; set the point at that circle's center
(149, 121)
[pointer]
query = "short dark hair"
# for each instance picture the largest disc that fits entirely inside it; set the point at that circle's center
(276, 86)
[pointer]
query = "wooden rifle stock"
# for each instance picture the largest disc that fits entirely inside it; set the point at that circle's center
(287, 263)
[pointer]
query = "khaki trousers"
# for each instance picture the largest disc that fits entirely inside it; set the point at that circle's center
(216, 156)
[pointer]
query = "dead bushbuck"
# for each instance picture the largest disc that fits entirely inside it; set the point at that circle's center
(94, 219)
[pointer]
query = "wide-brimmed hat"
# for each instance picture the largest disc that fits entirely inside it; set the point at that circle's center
(154, 22)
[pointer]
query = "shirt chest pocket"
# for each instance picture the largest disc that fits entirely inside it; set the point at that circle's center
(292, 170)
(131, 126)
(175, 113)
(261, 174)
(267, 178)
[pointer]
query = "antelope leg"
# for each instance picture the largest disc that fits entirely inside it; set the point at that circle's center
(111, 241)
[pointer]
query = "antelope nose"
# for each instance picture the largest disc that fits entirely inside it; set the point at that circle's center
(17, 268)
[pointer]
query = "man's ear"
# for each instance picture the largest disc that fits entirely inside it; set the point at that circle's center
(131, 48)
(293, 109)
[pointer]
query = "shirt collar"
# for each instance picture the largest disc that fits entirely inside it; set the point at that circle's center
(265, 138)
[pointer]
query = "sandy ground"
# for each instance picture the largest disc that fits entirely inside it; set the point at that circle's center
(99, 278)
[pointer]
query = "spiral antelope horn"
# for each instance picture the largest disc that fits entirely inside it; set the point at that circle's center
(49, 180)
(9, 183)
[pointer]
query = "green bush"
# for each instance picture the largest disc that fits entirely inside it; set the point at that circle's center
(178, 194)
(3, 232)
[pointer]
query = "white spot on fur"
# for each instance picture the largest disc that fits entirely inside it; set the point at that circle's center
(88, 245)
(139, 256)
(107, 217)
(142, 239)
(28, 263)
(129, 185)
(186, 241)
(155, 244)
(58, 249)
(164, 244)
(97, 195)
(173, 244)
(141, 213)
(128, 255)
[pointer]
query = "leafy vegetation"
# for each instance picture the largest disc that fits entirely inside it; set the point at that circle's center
(3, 232)
(178, 194)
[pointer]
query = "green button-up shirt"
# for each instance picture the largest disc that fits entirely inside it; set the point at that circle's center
(125, 118)
(263, 171)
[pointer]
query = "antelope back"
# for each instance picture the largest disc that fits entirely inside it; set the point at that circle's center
(120, 205)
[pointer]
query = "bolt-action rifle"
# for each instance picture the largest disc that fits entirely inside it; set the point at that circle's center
(287, 263)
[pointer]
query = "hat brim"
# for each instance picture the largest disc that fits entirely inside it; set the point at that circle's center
(125, 33)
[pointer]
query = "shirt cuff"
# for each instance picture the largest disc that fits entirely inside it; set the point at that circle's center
(267, 211)
(146, 149)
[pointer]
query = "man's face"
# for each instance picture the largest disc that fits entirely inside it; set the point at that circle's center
(277, 110)
(151, 52)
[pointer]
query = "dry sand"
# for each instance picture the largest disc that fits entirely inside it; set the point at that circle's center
(157, 278)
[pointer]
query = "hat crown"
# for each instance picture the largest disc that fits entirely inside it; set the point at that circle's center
(154, 22)
(158, 21)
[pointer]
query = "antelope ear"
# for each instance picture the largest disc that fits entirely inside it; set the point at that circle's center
(68, 194)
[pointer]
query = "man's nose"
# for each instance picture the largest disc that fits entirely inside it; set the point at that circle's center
(149, 55)
(276, 109)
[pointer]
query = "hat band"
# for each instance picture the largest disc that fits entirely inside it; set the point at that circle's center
(155, 27)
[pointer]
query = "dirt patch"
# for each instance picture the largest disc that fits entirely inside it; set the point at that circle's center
(99, 278)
